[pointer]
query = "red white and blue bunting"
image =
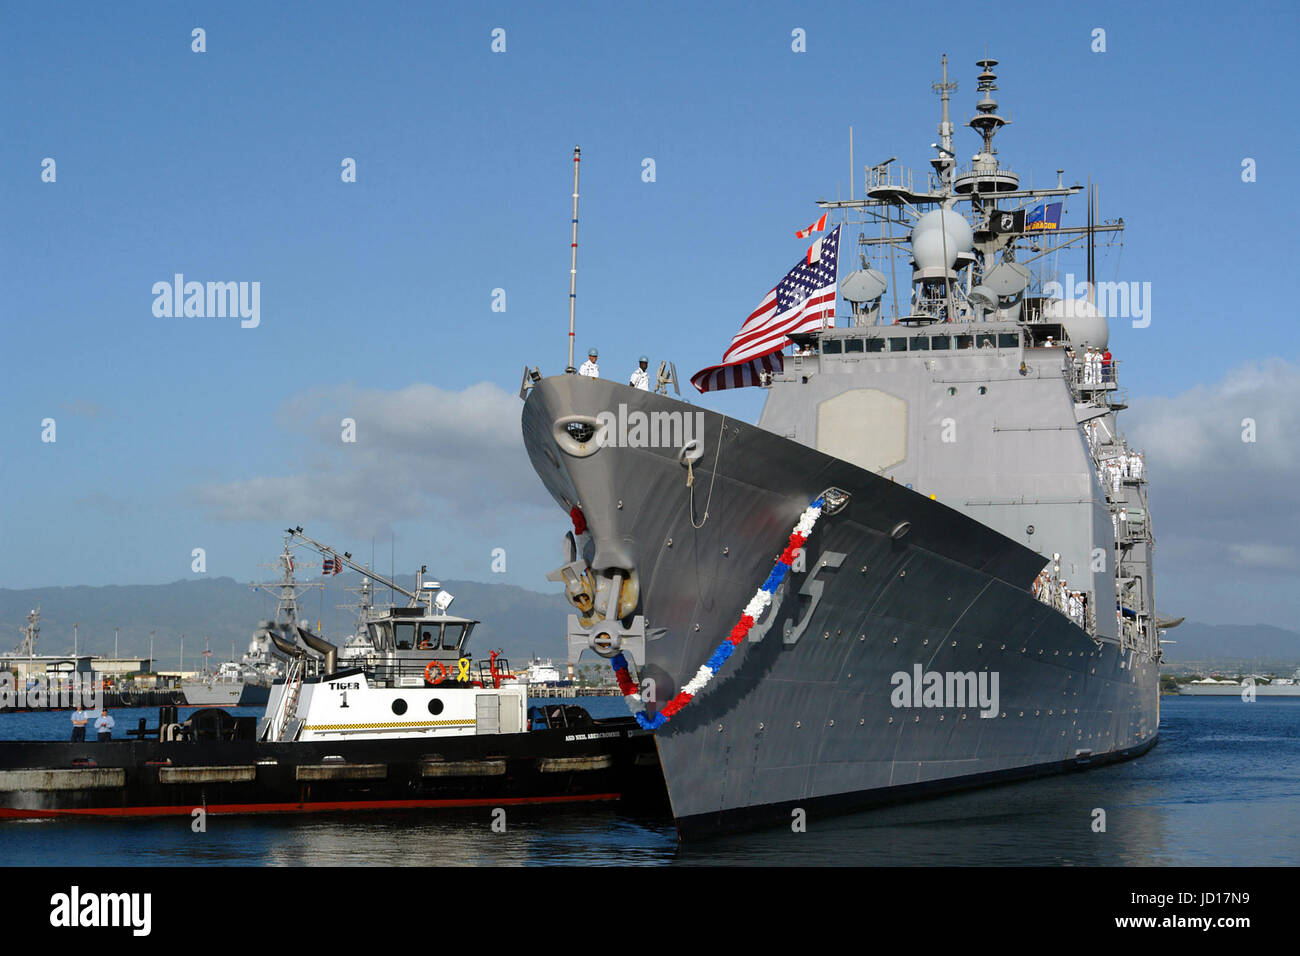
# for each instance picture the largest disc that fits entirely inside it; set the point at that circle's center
(761, 600)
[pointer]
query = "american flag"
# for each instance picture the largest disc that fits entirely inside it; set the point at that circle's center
(803, 301)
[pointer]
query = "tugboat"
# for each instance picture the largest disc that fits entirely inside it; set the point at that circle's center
(409, 723)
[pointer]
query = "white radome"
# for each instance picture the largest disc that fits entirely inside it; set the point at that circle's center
(929, 247)
(939, 237)
(954, 223)
(1084, 323)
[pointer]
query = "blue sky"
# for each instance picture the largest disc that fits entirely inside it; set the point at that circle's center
(176, 433)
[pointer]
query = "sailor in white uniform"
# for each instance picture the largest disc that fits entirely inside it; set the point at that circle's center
(640, 377)
(589, 367)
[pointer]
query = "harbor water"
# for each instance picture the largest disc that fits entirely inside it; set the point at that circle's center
(1222, 787)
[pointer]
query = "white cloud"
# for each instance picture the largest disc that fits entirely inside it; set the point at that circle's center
(1225, 511)
(83, 408)
(1265, 556)
(420, 451)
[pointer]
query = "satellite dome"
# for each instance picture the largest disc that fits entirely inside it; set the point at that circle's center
(982, 297)
(959, 232)
(865, 285)
(928, 250)
(1083, 322)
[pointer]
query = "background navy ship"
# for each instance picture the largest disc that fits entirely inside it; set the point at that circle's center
(965, 443)
(247, 682)
(408, 723)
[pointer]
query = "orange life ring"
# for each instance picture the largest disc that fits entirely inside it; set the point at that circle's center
(441, 677)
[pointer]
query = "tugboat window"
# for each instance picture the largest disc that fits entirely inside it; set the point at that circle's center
(451, 636)
(435, 707)
(381, 636)
(399, 706)
(428, 638)
(405, 635)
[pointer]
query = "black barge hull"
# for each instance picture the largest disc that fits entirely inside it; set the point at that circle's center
(610, 760)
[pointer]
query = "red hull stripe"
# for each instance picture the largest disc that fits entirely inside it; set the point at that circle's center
(324, 806)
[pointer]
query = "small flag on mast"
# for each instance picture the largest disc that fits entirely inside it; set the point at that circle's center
(1044, 216)
(818, 226)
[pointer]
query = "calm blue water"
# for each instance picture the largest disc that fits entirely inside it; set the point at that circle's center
(1221, 788)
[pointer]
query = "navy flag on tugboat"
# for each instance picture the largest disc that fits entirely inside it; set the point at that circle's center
(804, 301)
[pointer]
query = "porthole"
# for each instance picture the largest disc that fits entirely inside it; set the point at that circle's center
(982, 390)
(952, 390)
(435, 707)
(399, 706)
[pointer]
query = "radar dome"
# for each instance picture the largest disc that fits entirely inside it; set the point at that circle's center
(1084, 324)
(928, 250)
(955, 224)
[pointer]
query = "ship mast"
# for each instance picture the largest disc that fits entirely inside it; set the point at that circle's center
(573, 264)
(423, 593)
(287, 609)
(948, 158)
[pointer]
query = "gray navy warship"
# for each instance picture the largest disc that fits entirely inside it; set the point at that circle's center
(975, 601)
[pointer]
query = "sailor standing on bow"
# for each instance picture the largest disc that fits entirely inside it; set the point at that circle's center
(589, 367)
(640, 377)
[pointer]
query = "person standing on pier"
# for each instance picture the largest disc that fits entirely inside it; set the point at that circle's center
(79, 718)
(104, 726)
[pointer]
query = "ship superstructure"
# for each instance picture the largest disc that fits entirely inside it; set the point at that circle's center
(247, 682)
(975, 601)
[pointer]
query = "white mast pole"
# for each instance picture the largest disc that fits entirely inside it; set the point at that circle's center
(573, 265)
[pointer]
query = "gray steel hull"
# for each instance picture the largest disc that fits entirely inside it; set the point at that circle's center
(811, 724)
(225, 694)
